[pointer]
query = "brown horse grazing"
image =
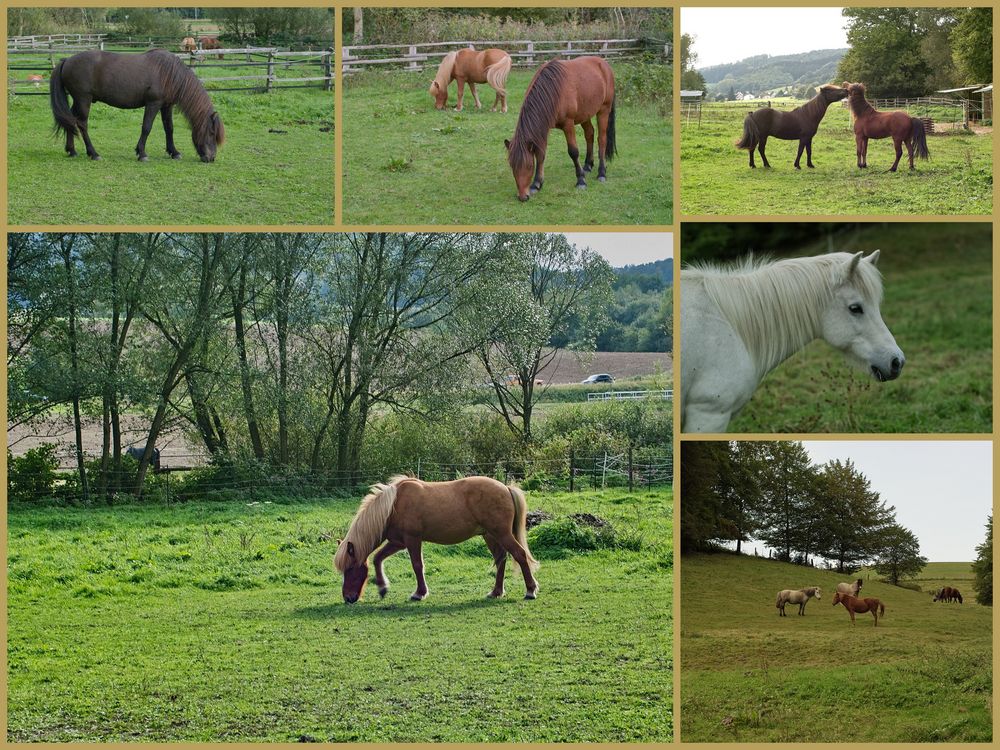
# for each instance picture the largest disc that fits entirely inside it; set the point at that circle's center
(211, 42)
(156, 80)
(870, 123)
(853, 604)
(948, 594)
(188, 44)
(563, 94)
(800, 124)
(406, 512)
(469, 66)
(793, 596)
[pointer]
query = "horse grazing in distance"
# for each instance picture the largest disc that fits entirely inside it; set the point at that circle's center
(156, 80)
(188, 44)
(406, 512)
(870, 123)
(490, 66)
(853, 604)
(739, 323)
(948, 594)
(563, 94)
(796, 596)
(211, 42)
(850, 588)
(800, 124)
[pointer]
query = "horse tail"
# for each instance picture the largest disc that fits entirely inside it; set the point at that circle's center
(65, 121)
(496, 75)
(920, 138)
(751, 134)
(520, 527)
(612, 148)
(881, 609)
(777, 601)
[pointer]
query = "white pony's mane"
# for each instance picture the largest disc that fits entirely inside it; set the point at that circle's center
(443, 76)
(369, 522)
(775, 306)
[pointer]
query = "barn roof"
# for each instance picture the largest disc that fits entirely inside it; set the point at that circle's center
(691, 94)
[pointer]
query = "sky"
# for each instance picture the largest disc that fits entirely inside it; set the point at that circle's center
(942, 489)
(725, 35)
(626, 248)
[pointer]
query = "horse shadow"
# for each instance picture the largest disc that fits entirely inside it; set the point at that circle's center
(405, 608)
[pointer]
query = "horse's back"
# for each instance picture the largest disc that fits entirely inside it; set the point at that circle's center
(451, 512)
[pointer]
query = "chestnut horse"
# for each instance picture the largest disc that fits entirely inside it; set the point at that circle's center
(406, 512)
(793, 596)
(469, 66)
(563, 94)
(948, 594)
(870, 123)
(211, 42)
(853, 604)
(155, 80)
(800, 124)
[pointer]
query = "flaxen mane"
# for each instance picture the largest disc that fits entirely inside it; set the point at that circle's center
(443, 76)
(369, 522)
(537, 113)
(182, 87)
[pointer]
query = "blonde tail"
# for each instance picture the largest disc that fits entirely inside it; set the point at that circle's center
(521, 524)
(496, 75)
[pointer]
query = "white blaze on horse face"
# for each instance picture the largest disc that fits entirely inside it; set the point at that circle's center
(853, 323)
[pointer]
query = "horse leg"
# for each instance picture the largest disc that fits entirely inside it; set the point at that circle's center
(536, 184)
(500, 561)
(798, 156)
(461, 94)
(417, 560)
(147, 124)
(859, 140)
(81, 108)
(574, 153)
(909, 151)
(472, 88)
(390, 548)
(588, 133)
(864, 151)
(763, 157)
(513, 546)
(603, 116)
(167, 118)
(898, 145)
(809, 153)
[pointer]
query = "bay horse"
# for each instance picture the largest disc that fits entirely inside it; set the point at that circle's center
(800, 124)
(156, 80)
(211, 42)
(870, 123)
(739, 323)
(490, 66)
(796, 596)
(406, 512)
(850, 588)
(563, 94)
(948, 594)
(853, 604)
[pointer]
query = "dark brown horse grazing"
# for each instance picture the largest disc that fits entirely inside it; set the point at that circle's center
(490, 66)
(563, 94)
(801, 124)
(406, 512)
(156, 80)
(211, 42)
(870, 123)
(853, 604)
(948, 594)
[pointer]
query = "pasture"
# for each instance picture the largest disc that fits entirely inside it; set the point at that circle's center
(407, 163)
(716, 178)
(223, 620)
(747, 675)
(276, 166)
(938, 305)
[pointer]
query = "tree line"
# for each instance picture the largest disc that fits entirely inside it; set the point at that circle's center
(772, 492)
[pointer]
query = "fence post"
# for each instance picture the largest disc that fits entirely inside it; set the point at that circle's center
(571, 468)
(413, 53)
(531, 52)
(328, 71)
(270, 71)
(593, 475)
(52, 55)
(630, 467)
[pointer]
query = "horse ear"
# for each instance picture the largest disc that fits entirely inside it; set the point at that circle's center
(873, 258)
(435, 85)
(852, 264)
(350, 551)
(506, 143)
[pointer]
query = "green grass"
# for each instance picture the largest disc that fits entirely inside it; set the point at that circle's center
(716, 179)
(258, 177)
(748, 675)
(938, 306)
(408, 163)
(224, 621)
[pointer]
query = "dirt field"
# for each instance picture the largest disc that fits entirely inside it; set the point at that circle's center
(565, 369)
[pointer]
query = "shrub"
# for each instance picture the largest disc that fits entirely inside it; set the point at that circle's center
(153, 22)
(32, 476)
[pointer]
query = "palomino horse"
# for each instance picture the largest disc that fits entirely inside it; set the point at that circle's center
(406, 512)
(796, 596)
(563, 94)
(739, 323)
(188, 44)
(948, 594)
(800, 124)
(469, 66)
(870, 123)
(156, 80)
(850, 588)
(853, 604)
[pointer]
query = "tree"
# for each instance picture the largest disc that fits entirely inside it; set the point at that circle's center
(739, 489)
(688, 56)
(885, 51)
(785, 488)
(899, 556)
(983, 567)
(972, 44)
(702, 462)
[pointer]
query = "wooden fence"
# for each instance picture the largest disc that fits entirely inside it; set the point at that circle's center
(47, 41)
(419, 57)
(665, 395)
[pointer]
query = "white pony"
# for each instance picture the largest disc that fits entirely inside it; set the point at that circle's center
(739, 323)
(850, 588)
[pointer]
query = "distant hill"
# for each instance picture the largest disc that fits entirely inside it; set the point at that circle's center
(764, 74)
(662, 269)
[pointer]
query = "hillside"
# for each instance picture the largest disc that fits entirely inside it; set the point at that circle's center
(749, 675)
(763, 73)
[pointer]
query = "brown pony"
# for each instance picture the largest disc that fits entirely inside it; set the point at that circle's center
(948, 594)
(563, 94)
(800, 124)
(211, 42)
(467, 65)
(870, 123)
(853, 604)
(406, 512)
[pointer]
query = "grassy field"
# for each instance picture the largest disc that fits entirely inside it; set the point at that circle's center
(938, 305)
(749, 675)
(408, 163)
(223, 621)
(716, 178)
(276, 166)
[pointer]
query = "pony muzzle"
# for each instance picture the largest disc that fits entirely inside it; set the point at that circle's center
(893, 371)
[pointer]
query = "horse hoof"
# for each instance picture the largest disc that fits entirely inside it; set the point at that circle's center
(382, 592)
(175, 156)
(531, 594)
(602, 178)
(798, 167)
(95, 157)
(588, 167)
(581, 186)
(143, 158)
(494, 595)
(417, 597)
(532, 190)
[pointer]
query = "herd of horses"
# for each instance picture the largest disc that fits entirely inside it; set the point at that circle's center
(847, 595)
(802, 123)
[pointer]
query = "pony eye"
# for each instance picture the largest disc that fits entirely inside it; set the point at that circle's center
(855, 309)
